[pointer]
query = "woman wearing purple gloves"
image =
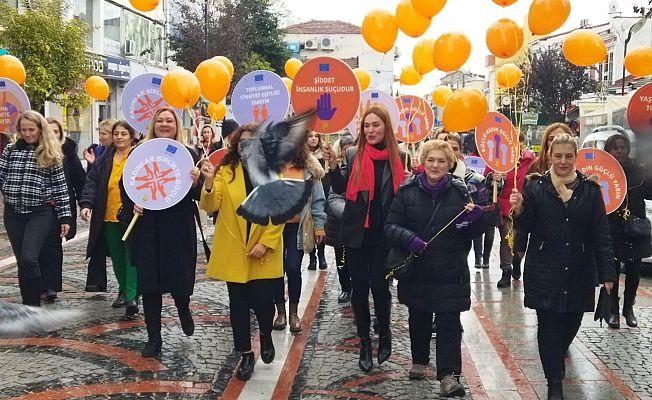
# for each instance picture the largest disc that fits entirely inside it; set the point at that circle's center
(431, 203)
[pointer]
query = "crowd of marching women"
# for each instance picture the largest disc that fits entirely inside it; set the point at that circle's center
(387, 214)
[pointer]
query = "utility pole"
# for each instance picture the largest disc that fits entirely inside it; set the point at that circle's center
(633, 29)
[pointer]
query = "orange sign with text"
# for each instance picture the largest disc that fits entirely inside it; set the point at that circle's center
(611, 176)
(497, 142)
(328, 85)
(416, 119)
(639, 111)
(216, 157)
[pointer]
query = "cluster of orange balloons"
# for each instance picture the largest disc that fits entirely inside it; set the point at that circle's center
(638, 61)
(97, 87)
(446, 53)
(12, 68)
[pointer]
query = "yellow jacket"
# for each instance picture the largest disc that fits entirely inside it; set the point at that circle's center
(230, 247)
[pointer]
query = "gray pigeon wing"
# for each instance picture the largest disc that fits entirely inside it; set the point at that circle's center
(282, 141)
(276, 202)
(253, 159)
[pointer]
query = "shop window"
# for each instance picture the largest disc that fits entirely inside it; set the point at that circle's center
(112, 26)
(83, 10)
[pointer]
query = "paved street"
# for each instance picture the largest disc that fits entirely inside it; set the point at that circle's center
(98, 357)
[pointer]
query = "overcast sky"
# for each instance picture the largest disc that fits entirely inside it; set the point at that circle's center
(469, 16)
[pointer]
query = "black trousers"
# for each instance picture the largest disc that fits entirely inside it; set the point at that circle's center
(96, 275)
(343, 270)
(152, 306)
(51, 258)
(632, 279)
(257, 295)
(555, 334)
(482, 245)
(448, 341)
(367, 268)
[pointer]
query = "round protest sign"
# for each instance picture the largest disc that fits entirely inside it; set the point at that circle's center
(368, 99)
(156, 175)
(475, 164)
(140, 98)
(416, 119)
(611, 176)
(216, 157)
(330, 86)
(13, 101)
(260, 96)
(639, 111)
(497, 142)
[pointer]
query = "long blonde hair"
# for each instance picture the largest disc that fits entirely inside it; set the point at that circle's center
(179, 136)
(48, 150)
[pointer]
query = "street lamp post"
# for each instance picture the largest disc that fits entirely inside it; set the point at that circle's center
(633, 29)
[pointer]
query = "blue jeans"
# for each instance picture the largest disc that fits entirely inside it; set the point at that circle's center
(292, 258)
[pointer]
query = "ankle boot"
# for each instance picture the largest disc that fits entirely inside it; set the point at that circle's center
(187, 324)
(246, 366)
(555, 391)
(312, 265)
(267, 351)
(614, 318)
(366, 362)
(630, 318)
(293, 319)
(384, 346)
(281, 320)
(153, 346)
(506, 279)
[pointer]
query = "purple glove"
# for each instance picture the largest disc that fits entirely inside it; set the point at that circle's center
(469, 217)
(416, 244)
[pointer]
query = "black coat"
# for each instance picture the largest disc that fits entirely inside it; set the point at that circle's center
(163, 244)
(639, 188)
(75, 177)
(440, 281)
(94, 196)
(334, 211)
(569, 248)
(355, 212)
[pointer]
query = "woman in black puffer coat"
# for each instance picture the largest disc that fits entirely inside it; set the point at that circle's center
(628, 250)
(569, 252)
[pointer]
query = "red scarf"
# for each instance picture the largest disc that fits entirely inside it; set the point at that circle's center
(366, 178)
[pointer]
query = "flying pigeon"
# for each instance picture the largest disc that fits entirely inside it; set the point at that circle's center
(263, 156)
(17, 319)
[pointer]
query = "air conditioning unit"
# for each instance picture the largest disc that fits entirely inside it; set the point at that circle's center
(311, 44)
(130, 48)
(327, 43)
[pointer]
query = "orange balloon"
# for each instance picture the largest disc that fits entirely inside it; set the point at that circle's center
(428, 8)
(216, 111)
(144, 5)
(97, 88)
(422, 56)
(451, 51)
(292, 67)
(379, 30)
(214, 79)
(441, 94)
(504, 3)
(288, 83)
(12, 68)
(227, 63)
(546, 16)
(464, 110)
(180, 88)
(583, 48)
(409, 20)
(508, 76)
(409, 75)
(638, 61)
(504, 38)
(364, 79)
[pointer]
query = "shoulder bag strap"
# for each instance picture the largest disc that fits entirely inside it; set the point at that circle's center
(207, 249)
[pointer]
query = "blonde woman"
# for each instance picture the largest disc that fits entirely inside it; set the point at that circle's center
(34, 187)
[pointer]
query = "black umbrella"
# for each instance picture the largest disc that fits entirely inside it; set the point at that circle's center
(605, 306)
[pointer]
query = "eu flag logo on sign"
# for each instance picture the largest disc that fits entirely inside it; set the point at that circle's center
(258, 78)
(2, 83)
(474, 162)
(324, 67)
(406, 100)
(498, 119)
(171, 149)
(374, 95)
(588, 156)
(156, 81)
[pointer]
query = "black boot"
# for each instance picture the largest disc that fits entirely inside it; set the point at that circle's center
(321, 248)
(555, 391)
(366, 362)
(312, 265)
(246, 366)
(384, 347)
(630, 318)
(267, 351)
(154, 343)
(614, 318)
(383, 313)
(187, 324)
(516, 270)
(506, 280)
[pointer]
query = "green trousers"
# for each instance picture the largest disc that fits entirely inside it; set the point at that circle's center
(124, 270)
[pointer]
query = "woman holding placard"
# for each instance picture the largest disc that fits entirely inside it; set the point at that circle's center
(250, 256)
(568, 252)
(369, 179)
(630, 245)
(34, 187)
(100, 202)
(165, 243)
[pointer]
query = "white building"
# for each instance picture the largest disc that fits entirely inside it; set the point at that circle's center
(344, 41)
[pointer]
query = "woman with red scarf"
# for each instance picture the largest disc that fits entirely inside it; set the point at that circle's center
(373, 172)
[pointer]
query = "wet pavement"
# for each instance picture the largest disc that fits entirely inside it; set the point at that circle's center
(98, 356)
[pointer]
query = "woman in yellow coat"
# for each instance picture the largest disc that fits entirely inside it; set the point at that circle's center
(249, 256)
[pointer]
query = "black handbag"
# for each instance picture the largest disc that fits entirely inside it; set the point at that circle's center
(637, 228)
